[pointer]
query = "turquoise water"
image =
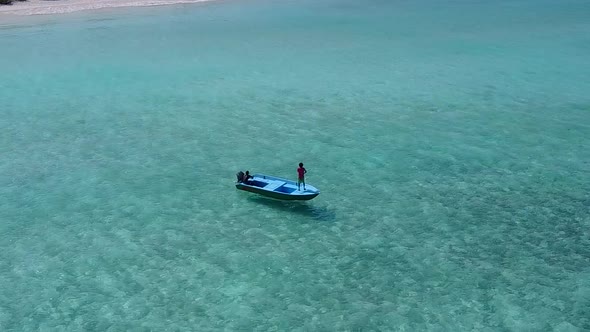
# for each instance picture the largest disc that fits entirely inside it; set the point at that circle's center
(449, 139)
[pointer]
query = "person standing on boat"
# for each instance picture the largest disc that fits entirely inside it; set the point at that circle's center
(301, 176)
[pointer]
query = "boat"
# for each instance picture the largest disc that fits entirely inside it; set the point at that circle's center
(275, 187)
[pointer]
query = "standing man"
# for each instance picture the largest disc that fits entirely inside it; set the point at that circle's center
(301, 176)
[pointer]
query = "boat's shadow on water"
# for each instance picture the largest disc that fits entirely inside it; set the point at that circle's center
(306, 209)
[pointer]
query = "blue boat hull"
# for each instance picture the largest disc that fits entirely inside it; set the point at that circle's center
(277, 188)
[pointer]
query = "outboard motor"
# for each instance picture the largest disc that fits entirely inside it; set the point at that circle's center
(240, 175)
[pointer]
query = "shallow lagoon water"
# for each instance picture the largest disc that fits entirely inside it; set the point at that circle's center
(449, 140)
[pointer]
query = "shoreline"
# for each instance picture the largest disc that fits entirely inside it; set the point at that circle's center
(49, 7)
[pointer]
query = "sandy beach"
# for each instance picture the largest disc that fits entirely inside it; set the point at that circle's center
(44, 7)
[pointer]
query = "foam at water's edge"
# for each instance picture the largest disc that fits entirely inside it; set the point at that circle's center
(40, 7)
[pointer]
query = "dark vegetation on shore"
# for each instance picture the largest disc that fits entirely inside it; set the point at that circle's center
(8, 2)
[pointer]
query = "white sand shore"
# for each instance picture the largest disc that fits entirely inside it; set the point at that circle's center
(42, 7)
